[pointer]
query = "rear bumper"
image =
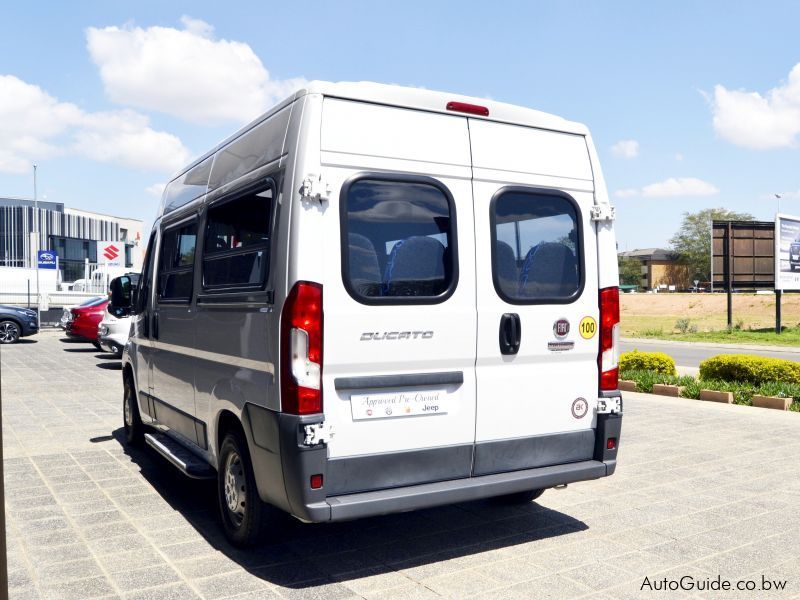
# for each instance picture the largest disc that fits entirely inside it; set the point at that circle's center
(404, 481)
(380, 502)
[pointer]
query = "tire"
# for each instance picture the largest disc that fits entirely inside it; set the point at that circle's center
(97, 345)
(520, 497)
(10, 332)
(241, 509)
(131, 420)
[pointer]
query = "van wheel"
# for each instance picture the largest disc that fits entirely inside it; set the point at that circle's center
(134, 429)
(241, 508)
(520, 497)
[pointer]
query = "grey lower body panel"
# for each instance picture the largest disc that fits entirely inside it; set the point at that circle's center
(367, 504)
(397, 469)
(531, 452)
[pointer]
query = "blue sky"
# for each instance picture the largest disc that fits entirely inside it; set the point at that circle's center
(110, 97)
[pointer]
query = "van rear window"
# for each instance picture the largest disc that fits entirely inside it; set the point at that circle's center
(398, 240)
(536, 247)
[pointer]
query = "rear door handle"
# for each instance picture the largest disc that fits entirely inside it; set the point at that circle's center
(510, 333)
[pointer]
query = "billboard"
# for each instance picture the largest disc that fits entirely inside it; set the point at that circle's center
(743, 254)
(787, 252)
(111, 254)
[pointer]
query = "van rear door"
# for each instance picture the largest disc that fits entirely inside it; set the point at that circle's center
(399, 296)
(537, 297)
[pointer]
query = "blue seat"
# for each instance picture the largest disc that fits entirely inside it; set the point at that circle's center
(416, 267)
(506, 268)
(365, 272)
(550, 270)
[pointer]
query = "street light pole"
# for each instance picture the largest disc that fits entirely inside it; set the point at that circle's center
(36, 236)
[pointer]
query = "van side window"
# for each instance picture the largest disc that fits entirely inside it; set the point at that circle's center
(176, 263)
(536, 247)
(236, 248)
(398, 242)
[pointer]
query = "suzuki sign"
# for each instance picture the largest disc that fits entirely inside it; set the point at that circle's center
(111, 254)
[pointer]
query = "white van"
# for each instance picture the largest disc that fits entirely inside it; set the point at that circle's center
(375, 299)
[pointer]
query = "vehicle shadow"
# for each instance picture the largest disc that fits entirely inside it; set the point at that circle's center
(66, 340)
(89, 349)
(26, 341)
(107, 356)
(356, 549)
(110, 366)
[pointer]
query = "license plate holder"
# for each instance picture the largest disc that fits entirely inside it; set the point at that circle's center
(392, 405)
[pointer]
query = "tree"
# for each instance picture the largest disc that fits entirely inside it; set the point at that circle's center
(692, 242)
(630, 271)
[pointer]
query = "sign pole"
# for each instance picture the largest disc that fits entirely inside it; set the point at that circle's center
(729, 273)
(3, 556)
(36, 236)
(778, 294)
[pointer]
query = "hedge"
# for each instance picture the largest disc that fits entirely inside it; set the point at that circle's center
(647, 361)
(750, 369)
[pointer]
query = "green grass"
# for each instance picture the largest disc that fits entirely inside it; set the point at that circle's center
(742, 392)
(790, 336)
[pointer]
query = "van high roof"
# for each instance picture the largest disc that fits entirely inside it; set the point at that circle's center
(415, 98)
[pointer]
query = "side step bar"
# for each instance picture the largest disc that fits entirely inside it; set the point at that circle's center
(190, 464)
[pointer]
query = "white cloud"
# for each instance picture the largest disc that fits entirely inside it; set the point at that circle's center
(124, 137)
(186, 73)
(625, 149)
(673, 187)
(761, 122)
(157, 189)
(679, 186)
(36, 126)
(679, 157)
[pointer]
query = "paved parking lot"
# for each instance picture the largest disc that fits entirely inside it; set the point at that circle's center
(702, 490)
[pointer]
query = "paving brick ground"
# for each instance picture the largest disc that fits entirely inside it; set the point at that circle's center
(702, 490)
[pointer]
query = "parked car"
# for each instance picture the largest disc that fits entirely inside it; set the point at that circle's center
(16, 323)
(85, 320)
(66, 315)
(400, 230)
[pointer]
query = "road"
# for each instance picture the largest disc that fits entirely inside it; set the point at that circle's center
(689, 354)
(702, 490)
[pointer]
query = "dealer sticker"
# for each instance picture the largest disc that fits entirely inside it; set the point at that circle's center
(398, 404)
(587, 328)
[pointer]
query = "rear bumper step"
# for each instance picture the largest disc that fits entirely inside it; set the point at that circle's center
(368, 504)
(187, 462)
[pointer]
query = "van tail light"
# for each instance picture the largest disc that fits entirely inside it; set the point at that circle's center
(608, 355)
(301, 350)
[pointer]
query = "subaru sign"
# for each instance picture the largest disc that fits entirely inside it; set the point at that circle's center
(47, 259)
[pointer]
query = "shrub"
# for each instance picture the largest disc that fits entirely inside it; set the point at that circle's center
(750, 369)
(647, 361)
(682, 325)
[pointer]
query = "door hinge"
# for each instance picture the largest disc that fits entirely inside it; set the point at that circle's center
(315, 189)
(607, 406)
(317, 433)
(603, 212)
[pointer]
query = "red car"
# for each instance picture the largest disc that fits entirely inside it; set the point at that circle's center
(85, 320)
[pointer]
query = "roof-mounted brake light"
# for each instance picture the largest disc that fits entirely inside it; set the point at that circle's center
(472, 109)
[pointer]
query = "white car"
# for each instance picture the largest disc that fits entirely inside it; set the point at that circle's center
(112, 333)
